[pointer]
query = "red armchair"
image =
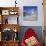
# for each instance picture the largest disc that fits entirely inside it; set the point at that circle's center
(29, 36)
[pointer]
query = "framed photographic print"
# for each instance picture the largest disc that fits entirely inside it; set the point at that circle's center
(9, 19)
(12, 12)
(5, 12)
(12, 19)
(5, 19)
(6, 34)
(30, 13)
(29, 16)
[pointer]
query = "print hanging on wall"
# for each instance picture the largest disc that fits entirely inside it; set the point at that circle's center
(30, 13)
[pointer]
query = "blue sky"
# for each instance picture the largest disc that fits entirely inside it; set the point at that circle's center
(28, 9)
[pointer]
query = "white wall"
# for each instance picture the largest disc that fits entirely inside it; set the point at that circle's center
(22, 3)
(7, 3)
(40, 13)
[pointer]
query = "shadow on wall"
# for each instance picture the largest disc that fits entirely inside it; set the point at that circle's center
(37, 29)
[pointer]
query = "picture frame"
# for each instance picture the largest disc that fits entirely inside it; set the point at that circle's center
(5, 12)
(10, 19)
(13, 12)
(6, 34)
(9, 34)
(28, 20)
